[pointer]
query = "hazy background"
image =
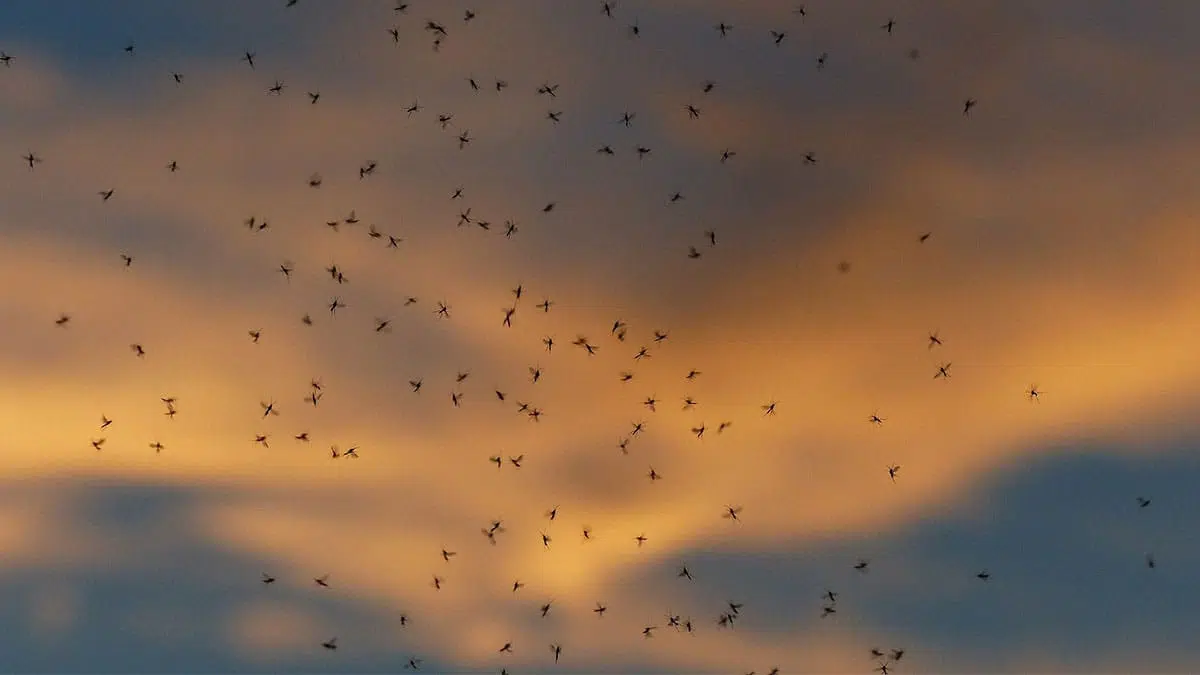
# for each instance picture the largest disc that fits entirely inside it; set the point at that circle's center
(1062, 254)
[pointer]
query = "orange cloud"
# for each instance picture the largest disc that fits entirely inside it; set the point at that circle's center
(1042, 268)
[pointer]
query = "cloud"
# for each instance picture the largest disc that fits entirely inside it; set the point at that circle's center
(1045, 266)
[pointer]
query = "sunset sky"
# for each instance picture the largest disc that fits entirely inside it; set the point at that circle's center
(1062, 256)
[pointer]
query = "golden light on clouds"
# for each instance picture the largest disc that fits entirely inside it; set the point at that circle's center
(1046, 239)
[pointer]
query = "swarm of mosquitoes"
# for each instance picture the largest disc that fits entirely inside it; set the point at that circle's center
(439, 32)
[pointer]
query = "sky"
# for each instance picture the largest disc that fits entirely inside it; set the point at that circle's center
(797, 237)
